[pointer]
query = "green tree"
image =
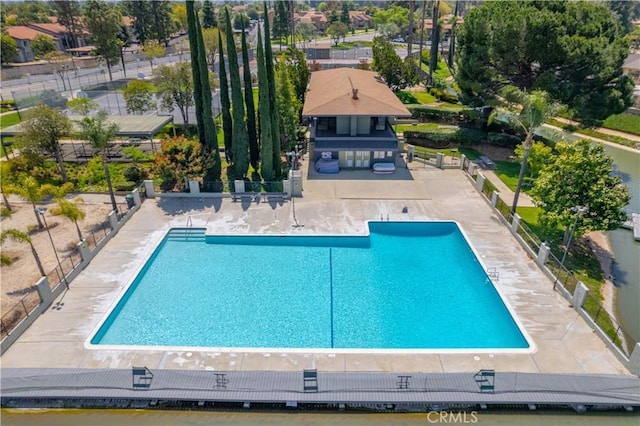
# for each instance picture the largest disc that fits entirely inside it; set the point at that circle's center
(42, 131)
(298, 72)
(103, 20)
(175, 88)
(82, 106)
(535, 108)
(71, 210)
(8, 48)
(252, 131)
(305, 32)
(30, 190)
(240, 136)
(194, 53)
(264, 114)
(581, 175)
(152, 49)
(396, 15)
(227, 122)
(179, 14)
(99, 133)
(152, 19)
(139, 97)
(288, 107)
(539, 156)
(240, 21)
(336, 31)
(273, 102)
(435, 39)
(397, 74)
(572, 50)
(211, 155)
(211, 42)
(42, 44)
(5, 176)
(208, 15)
(344, 16)
(69, 14)
(22, 237)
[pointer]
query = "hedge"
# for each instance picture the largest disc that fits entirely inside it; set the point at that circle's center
(444, 138)
(468, 116)
(503, 139)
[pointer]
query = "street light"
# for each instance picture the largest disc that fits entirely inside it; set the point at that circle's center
(41, 212)
(579, 211)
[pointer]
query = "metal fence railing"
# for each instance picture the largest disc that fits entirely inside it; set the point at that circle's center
(18, 312)
(563, 277)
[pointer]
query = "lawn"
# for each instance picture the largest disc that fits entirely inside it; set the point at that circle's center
(401, 128)
(507, 172)
(629, 123)
(9, 120)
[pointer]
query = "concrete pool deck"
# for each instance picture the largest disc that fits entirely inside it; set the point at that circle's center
(336, 204)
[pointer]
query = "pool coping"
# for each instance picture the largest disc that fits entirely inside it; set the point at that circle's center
(532, 347)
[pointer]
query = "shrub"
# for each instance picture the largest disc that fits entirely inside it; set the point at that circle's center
(53, 99)
(125, 186)
(469, 117)
(444, 138)
(133, 174)
(503, 139)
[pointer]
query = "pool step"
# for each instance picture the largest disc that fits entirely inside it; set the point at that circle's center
(191, 234)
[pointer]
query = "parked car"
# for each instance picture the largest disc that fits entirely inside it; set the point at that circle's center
(399, 40)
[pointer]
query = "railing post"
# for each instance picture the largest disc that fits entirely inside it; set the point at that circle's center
(480, 182)
(83, 249)
(463, 158)
(113, 220)
(494, 199)
(515, 224)
(543, 253)
(44, 292)
(634, 360)
(439, 160)
(148, 189)
(194, 187)
(136, 197)
(579, 295)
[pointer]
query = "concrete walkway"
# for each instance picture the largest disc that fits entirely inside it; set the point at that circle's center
(604, 130)
(561, 341)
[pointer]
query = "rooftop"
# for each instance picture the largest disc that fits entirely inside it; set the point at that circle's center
(331, 93)
(21, 32)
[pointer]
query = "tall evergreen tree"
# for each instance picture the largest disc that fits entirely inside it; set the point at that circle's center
(212, 166)
(264, 114)
(195, 68)
(254, 151)
(273, 104)
(240, 146)
(208, 15)
(227, 125)
(287, 106)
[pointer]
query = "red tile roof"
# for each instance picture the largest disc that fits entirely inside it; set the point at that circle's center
(21, 32)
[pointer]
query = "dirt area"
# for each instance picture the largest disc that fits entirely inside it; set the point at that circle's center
(18, 280)
(495, 152)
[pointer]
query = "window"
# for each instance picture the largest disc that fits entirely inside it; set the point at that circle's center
(389, 153)
(378, 154)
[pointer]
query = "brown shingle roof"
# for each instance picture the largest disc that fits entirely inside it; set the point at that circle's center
(21, 32)
(330, 94)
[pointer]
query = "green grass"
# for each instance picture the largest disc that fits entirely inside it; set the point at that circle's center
(629, 123)
(401, 128)
(9, 120)
(424, 97)
(593, 133)
(507, 172)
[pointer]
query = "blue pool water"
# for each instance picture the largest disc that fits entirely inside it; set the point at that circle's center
(408, 285)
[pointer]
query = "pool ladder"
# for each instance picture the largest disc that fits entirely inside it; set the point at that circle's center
(189, 225)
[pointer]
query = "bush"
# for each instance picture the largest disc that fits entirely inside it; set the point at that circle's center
(469, 117)
(133, 174)
(125, 186)
(443, 95)
(503, 139)
(444, 138)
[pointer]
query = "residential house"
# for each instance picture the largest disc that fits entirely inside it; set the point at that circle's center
(351, 112)
(360, 20)
(631, 67)
(62, 34)
(24, 36)
(317, 19)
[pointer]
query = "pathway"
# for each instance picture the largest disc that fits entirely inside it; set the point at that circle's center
(606, 131)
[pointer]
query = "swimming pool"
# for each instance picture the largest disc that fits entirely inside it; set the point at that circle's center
(406, 285)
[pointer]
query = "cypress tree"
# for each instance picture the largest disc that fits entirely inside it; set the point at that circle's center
(254, 153)
(195, 69)
(227, 132)
(273, 105)
(266, 145)
(212, 165)
(240, 146)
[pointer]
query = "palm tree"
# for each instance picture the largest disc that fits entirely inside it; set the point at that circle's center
(30, 190)
(70, 210)
(99, 134)
(5, 170)
(536, 107)
(22, 237)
